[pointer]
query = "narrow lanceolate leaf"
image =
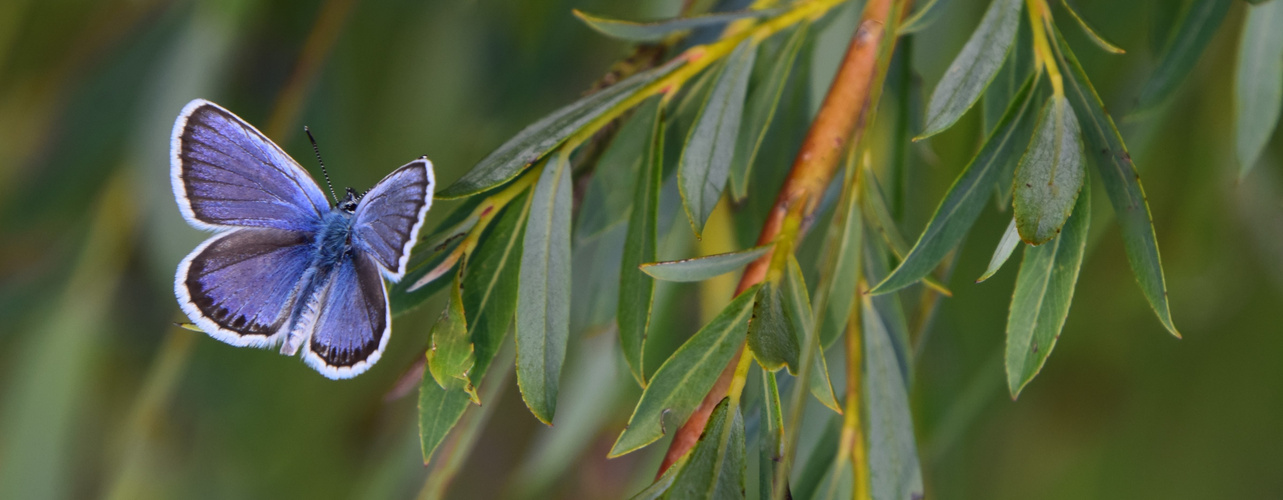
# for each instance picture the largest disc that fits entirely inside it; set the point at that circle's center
(678, 386)
(1050, 174)
(1122, 184)
(1091, 33)
(843, 254)
(706, 158)
(715, 469)
(1044, 290)
(1196, 25)
(610, 192)
(770, 441)
(702, 268)
(450, 352)
(1258, 84)
(760, 110)
(975, 66)
(536, 140)
(921, 18)
(543, 298)
(1006, 245)
(797, 309)
(636, 289)
(489, 302)
(894, 471)
(655, 31)
(962, 204)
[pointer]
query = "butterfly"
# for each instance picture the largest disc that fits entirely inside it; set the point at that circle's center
(285, 267)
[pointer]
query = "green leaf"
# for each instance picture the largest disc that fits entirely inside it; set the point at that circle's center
(820, 461)
(450, 355)
(535, 141)
(1006, 245)
(894, 471)
(760, 110)
(678, 386)
(1000, 92)
(878, 214)
(1258, 82)
(706, 158)
(771, 440)
(975, 66)
(841, 275)
(655, 31)
(1050, 174)
(716, 466)
(489, 302)
(962, 204)
(427, 256)
(636, 289)
(702, 268)
(1044, 290)
(1122, 184)
(543, 300)
(921, 18)
(1091, 33)
(770, 334)
(610, 192)
(1196, 25)
(797, 308)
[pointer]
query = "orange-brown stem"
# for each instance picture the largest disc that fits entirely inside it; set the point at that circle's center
(839, 123)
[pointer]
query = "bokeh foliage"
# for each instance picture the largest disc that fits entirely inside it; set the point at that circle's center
(102, 396)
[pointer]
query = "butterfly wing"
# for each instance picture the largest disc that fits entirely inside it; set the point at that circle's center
(354, 322)
(225, 174)
(238, 286)
(387, 220)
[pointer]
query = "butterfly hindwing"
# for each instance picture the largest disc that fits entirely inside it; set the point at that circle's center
(226, 174)
(354, 322)
(387, 220)
(239, 286)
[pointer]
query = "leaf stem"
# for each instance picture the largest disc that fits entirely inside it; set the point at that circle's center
(1040, 22)
(840, 122)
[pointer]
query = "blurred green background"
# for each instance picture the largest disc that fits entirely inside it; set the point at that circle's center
(101, 396)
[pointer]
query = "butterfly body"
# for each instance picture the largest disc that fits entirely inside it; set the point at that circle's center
(286, 268)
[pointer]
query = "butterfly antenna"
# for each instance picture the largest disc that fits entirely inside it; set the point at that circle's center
(318, 160)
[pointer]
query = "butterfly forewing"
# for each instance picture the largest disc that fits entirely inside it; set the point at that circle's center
(226, 174)
(239, 286)
(388, 218)
(354, 321)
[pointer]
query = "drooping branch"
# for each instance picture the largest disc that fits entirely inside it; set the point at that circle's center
(839, 124)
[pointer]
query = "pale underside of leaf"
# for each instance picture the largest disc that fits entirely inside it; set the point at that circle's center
(702, 268)
(1258, 83)
(1006, 245)
(974, 67)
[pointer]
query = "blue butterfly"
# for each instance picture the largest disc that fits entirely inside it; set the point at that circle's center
(286, 268)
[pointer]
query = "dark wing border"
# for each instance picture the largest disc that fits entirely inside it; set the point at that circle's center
(368, 275)
(396, 274)
(176, 165)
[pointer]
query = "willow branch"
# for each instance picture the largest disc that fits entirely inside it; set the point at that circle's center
(840, 122)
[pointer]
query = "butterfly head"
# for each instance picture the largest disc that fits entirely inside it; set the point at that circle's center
(348, 203)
